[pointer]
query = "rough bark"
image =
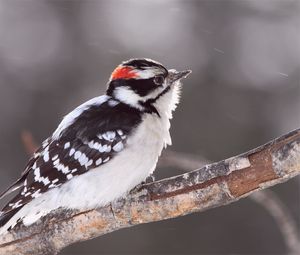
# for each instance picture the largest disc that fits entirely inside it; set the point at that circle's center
(266, 198)
(211, 186)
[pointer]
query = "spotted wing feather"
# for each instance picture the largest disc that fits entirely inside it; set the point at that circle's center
(91, 140)
(60, 162)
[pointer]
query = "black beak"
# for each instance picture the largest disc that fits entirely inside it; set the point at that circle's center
(175, 75)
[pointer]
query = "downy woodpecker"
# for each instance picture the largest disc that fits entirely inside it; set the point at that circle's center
(102, 149)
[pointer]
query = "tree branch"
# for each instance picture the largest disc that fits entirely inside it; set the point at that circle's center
(265, 198)
(211, 186)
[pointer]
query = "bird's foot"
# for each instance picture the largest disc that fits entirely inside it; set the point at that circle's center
(140, 186)
(149, 179)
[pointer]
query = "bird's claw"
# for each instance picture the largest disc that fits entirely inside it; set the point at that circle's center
(140, 186)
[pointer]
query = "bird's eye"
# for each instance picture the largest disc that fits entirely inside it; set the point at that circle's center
(158, 80)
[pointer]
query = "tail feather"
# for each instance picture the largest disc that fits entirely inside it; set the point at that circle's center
(6, 216)
(18, 184)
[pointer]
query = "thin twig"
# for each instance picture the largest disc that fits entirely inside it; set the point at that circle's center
(280, 213)
(184, 161)
(28, 142)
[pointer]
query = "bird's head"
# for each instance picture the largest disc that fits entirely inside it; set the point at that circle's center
(145, 84)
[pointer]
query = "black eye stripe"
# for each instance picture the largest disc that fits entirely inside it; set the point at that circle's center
(141, 87)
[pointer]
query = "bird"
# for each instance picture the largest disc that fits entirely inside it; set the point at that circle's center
(102, 149)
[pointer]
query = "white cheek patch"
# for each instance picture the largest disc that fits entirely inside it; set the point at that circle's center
(126, 95)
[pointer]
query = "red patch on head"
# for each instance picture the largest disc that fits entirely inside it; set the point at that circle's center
(123, 72)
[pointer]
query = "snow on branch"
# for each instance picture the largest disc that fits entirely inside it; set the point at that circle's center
(213, 185)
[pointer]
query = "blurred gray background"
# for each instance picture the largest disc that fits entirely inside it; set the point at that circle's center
(244, 90)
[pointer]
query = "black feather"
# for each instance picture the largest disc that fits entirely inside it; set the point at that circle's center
(142, 63)
(5, 217)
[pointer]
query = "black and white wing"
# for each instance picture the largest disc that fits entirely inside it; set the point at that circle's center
(92, 138)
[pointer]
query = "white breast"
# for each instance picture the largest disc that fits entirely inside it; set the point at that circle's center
(114, 179)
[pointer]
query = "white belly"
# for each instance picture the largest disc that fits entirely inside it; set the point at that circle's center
(126, 170)
(110, 181)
